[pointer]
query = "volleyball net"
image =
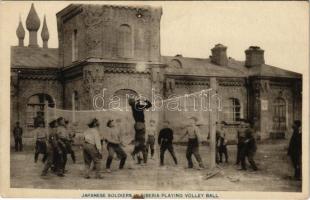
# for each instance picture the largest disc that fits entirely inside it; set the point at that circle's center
(175, 109)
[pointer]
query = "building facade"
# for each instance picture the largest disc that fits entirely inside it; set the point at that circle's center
(102, 47)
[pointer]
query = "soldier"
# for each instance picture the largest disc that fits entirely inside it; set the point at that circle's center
(138, 107)
(165, 139)
(40, 136)
(294, 149)
(18, 137)
(63, 140)
(194, 138)
(248, 150)
(240, 141)
(114, 145)
(54, 152)
(151, 131)
(92, 148)
(221, 143)
(69, 142)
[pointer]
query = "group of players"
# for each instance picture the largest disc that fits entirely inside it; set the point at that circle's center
(58, 143)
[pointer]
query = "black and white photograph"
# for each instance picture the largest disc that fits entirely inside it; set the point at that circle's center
(159, 99)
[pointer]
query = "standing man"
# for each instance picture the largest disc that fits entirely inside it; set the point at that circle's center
(294, 149)
(248, 150)
(63, 141)
(194, 138)
(240, 141)
(92, 148)
(114, 145)
(151, 132)
(18, 137)
(138, 107)
(54, 152)
(40, 136)
(165, 139)
(221, 143)
(69, 141)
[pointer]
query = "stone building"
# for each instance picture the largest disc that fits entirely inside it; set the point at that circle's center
(102, 46)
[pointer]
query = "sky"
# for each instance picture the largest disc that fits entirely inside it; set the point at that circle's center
(192, 28)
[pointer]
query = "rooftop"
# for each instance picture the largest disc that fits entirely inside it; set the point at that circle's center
(32, 57)
(179, 65)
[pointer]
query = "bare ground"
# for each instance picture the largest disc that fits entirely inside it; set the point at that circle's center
(273, 175)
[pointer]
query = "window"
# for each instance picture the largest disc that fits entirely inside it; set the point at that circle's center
(279, 114)
(74, 46)
(232, 110)
(35, 108)
(125, 43)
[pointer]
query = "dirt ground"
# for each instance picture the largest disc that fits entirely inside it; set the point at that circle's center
(273, 175)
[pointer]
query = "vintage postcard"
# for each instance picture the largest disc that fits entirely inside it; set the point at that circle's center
(158, 100)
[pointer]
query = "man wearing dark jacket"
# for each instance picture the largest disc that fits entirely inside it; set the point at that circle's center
(248, 150)
(165, 139)
(294, 149)
(138, 107)
(18, 133)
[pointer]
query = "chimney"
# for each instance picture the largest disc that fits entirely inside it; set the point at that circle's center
(219, 56)
(20, 32)
(254, 56)
(33, 25)
(45, 34)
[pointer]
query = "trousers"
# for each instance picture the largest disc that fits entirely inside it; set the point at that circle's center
(193, 149)
(116, 148)
(91, 154)
(163, 149)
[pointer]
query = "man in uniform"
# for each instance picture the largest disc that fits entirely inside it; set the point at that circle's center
(138, 107)
(40, 136)
(18, 137)
(63, 140)
(92, 148)
(221, 143)
(248, 150)
(151, 132)
(165, 139)
(114, 145)
(193, 140)
(240, 141)
(69, 141)
(294, 149)
(54, 152)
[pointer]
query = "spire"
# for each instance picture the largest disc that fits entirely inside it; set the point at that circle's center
(45, 34)
(20, 32)
(33, 25)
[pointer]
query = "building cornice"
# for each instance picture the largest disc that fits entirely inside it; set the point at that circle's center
(36, 74)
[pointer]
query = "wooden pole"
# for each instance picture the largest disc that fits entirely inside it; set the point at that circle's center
(212, 125)
(73, 107)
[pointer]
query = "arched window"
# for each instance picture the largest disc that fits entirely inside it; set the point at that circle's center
(279, 114)
(125, 43)
(232, 110)
(35, 108)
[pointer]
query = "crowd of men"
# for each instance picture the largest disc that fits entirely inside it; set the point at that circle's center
(56, 142)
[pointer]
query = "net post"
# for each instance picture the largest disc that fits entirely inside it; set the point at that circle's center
(212, 125)
(73, 107)
(46, 116)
